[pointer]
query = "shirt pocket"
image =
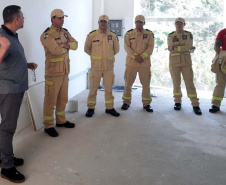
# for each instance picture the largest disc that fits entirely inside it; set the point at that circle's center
(96, 47)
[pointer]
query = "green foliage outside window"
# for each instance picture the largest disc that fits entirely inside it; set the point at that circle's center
(204, 34)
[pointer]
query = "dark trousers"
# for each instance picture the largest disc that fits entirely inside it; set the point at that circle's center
(9, 110)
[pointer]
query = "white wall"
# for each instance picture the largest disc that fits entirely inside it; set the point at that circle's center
(116, 9)
(37, 19)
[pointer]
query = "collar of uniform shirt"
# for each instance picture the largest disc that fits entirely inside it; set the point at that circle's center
(104, 32)
(9, 32)
(57, 29)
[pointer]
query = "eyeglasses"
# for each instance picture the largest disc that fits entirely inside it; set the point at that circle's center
(179, 23)
(33, 75)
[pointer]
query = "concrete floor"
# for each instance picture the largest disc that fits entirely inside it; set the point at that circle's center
(166, 147)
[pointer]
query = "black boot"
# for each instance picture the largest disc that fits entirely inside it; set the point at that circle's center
(197, 110)
(148, 108)
(177, 106)
(214, 109)
(89, 113)
(51, 132)
(67, 124)
(112, 112)
(12, 175)
(17, 162)
(124, 106)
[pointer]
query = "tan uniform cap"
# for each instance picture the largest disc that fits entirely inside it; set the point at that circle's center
(140, 18)
(104, 17)
(180, 19)
(58, 13)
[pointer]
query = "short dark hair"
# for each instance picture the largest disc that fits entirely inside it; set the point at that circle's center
(10, 12)
(53, 17)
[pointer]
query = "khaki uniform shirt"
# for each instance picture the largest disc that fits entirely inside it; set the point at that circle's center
(182, 43)
(57, 58)
(139, 43)
(102, 48)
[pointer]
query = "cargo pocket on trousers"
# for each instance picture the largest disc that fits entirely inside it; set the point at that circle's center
(91, 79)
(48, 87)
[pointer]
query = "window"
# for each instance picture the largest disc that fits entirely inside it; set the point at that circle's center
(204, 18)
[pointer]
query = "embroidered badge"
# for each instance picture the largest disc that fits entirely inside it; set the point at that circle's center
(46, 35)
(109, 37)
(66, 36)
(184, 37)
(191, 37)
(145, 36)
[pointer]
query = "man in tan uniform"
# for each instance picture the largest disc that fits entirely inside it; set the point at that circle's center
(180, 44)
(139, 44)
(57, 42)
(218, 94)
(102, 45)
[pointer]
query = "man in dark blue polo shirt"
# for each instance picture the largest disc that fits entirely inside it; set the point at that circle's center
(13, 84)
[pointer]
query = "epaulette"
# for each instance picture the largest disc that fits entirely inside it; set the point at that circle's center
(92, 31)
(65, 29)
(46, 30)
(147, 31)
(187, 31)
(130, 30)
(112, 32)
(49, 30)
(171, 33)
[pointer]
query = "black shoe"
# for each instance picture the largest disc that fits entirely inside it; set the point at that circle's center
(148, 108)
(214, 109)
(112, 112)
(51, 132)
(89, 113)
(197, 110)
(17, 162)
(12, 175)
(67, 124)
(124, 106)
(177, 106)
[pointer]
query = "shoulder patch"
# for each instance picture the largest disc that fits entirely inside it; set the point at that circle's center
(46, 30)
(46, 36)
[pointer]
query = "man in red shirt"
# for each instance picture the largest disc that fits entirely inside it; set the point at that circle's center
(218, 93)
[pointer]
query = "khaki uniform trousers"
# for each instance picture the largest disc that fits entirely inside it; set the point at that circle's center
(187, 73)
(56, 94)
(218, 92)
(145, 77)
(108, 82)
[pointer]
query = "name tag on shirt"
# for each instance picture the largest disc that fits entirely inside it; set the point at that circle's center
(145, 36)
(109, 37)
